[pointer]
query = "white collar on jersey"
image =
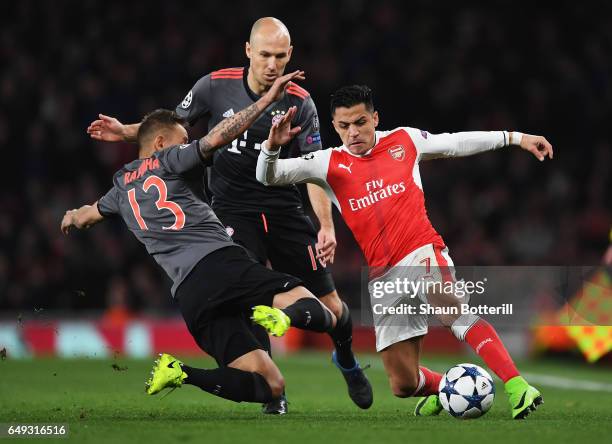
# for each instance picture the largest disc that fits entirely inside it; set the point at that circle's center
(376, 140)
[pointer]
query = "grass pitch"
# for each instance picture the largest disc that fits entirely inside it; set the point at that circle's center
(104, 401)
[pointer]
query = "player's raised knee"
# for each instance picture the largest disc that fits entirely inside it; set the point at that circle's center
(304, 310)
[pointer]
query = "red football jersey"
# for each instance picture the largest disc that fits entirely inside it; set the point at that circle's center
(379, 193)
(381, 198)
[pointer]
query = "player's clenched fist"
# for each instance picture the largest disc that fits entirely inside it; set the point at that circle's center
(84, 217)
(326, 245)
(67, 221)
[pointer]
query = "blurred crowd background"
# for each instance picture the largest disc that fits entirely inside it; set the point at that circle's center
(543, 70)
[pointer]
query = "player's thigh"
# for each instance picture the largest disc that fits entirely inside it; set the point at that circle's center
(230, 281)
(217, 298)
(247, 232)
(395, 310)
(226, 337)
(258, 361)
(401, 361)
(286, 298)
(291, 248)
(250, 283)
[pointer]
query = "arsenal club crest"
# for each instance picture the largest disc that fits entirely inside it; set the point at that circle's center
(397, 152)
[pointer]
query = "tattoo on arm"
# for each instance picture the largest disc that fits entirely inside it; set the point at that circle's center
(229, 129)
(206, 149)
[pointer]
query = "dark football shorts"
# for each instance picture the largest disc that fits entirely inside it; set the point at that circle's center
(217, 297)
(286, 240)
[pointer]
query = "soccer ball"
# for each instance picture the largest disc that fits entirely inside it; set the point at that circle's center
(466, 391)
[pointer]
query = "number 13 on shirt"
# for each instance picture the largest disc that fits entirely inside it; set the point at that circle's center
(162, 204)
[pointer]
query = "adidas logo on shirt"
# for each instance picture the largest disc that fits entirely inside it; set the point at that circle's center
(228, 113)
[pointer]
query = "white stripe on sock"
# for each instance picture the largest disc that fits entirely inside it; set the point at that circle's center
(421, 383)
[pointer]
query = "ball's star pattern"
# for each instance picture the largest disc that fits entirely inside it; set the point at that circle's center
(448, 390)
(474, 401)
(472, 372)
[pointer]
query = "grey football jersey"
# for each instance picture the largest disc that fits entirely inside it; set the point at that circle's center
(155, 200)
(223, 93)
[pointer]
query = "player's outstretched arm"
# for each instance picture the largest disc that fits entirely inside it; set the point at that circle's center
(232, 127)
(432, 146)
(109, 129)
(84, 217)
